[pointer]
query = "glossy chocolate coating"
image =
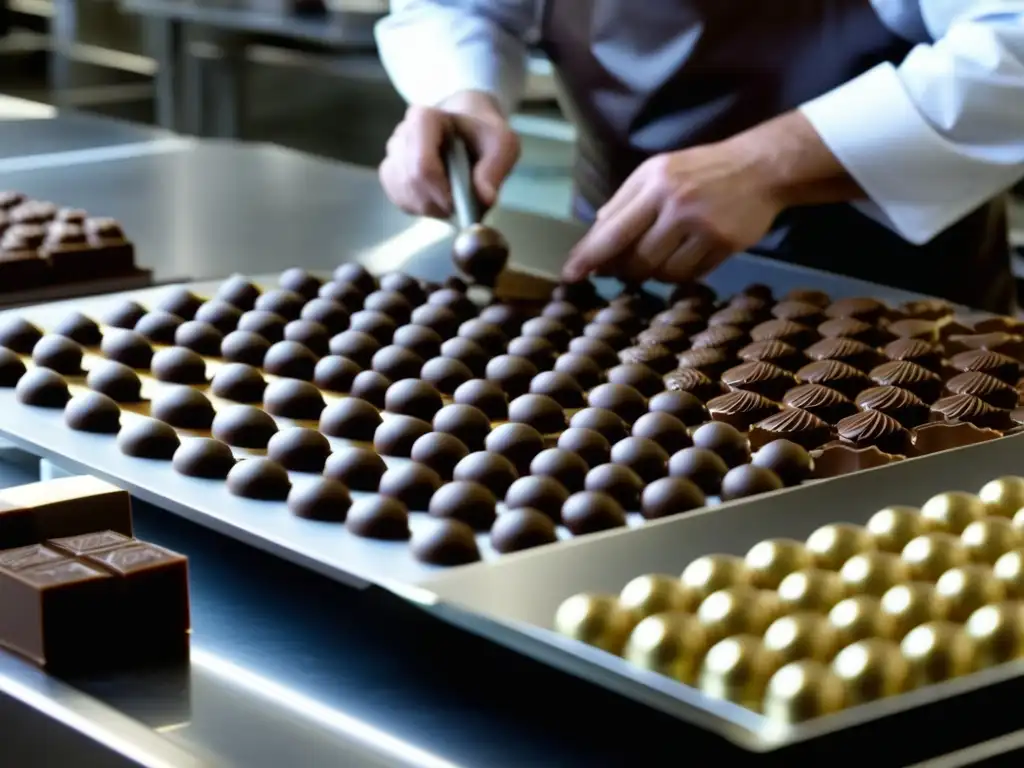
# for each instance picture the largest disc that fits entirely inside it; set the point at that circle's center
(485, 395)
(378, 517)
(618, 481)
(491, 338)
(637, 376)
(681, 405)
(355, 345)
(244, 347)
(358, 468)
(741, 409)
(440, 319)
(238, 292)
(239, 383)
(80, 329)
(310, 334)
(203, 457)
(148, 439)
(371, 387)
(351, 418)
(413, 397)
(923, 353)
(183, 407)
(445, 374)
(670, 496)
(903, 405)
(382, 327)
(454, 300)
(584, 370)
(668, 337)
(282, 302)
(467, 423)
(290, 359)
(158, 326)
(124, 315)
(324, 499)
(116, 381)
(260, 479)
(439, 451)
(645, 457)
(468, 502)
(761, 378)
(267, 324)
(992, 363)
(200, 337)
(601, 420)
(522, 528)
(612, 335)
(507, 316)
(391, 303)
(330, 315)
(562, 465)
(748, 480)
(480, 253)
(598, 351)
(59, 354)
(658, 358)
(538, 411)
(355, 274)
(590, 511)
(93, 412)
(541, 352)
(293, 399)
(548, 328)
(300, 449)
(973, 410)
(909, 376)
(220, 315)
(791, 462)
(468, 352)
(560, 387)
(11, 368)
(518, 443)
(396, 436)
(664, 429)
(620, 399)
(988, 388)
(703, 467)
(874, 428)
(128, 347)
(544, 494)
(446, 543)
(335, 373)
(836, 375)
(512, 374)
(424, 341)
(412, 484)
(725, 440)
(777, 353)
(181, 302)
(244, 426)
(589, 444)
(794, 424)
(824, 402)
(694, 382)
(404, 284)
(491, 470)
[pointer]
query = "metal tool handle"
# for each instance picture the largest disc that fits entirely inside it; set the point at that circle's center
(468, 210)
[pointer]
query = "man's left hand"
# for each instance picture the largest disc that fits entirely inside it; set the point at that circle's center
(678, 216)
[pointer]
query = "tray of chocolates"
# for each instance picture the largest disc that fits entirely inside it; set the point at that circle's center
(48, 252)
(793, 617)
(377, 429)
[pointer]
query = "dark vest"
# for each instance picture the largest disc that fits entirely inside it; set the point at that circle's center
(641, 77)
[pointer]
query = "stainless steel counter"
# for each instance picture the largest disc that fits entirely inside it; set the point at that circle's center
(69, 133)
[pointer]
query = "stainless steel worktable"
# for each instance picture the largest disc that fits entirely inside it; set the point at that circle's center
(288, 668)
(71, 133)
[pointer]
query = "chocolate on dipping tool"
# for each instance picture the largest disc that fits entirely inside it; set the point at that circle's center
(69, 506)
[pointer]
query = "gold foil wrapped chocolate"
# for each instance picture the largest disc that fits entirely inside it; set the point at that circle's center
(834, 544)
(871, 669)
(803, 690)
(967, 588)
(873, 573)
(714, 572)
(931, 555)
(596, 620)
(997, 632)
(909, 605)
(737, 610)
(1003, 496)
(802, 635)
(937, 651)
(1009, 569)
(738, 669)
(893, 527)
(860, 617)
(656, 593)
(989, 539)
(769, 561)
(953, 511)
(671, 644)
(812, 589)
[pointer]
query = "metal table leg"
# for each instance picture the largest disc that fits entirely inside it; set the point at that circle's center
(165, 42)
(64, 32)
(225, 81)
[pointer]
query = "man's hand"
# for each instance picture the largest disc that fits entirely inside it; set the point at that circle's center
(413, 173)
(681, 213)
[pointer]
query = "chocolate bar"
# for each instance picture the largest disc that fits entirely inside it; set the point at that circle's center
(30, 514)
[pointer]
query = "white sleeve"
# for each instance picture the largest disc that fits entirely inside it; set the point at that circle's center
(935, 137)
(433, 49)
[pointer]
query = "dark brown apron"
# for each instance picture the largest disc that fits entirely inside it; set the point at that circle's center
(641, 77)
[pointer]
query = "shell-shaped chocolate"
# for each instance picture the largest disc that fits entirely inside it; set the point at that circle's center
(996, 393)
(693, 381)
(756, 303)
(794, 424)
(1009, 344)
(760, 377)
(847, 328)
(993, 363)
(741, 317)
(849, 351)
(809, 296)
(690, 320)
(675, 339)
(861, 307)
(741, 409)
(915, 328)
(834, 374)
(776, 352)
(824, 402)
(799, 312)
(916, 378)
(655, 356)
(903, 405)
(973, 410)
(915, 351)
(928, 309)
(782, 330)
(710, 361)
(719, 337)
(998, 323)
(874, 428)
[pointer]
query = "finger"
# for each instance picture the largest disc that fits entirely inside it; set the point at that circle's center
(610, 238)
(625, 193)
(406, 194)
(710, 261)
(496, 151)
(682, 264)
(423, 136)
(654, 248)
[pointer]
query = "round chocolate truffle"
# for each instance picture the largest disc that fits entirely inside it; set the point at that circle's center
(439, 451)
(203, 457)
(548, 328)
(124, 315)
(494, 472)
(567, 313)
(346, 294)
(357, 346)
(11, 368)
(445, 374)
(725, 440)
(668, 337)
(518, 443)
(238, 292)
(564, 466)
(93, 412)
(325, 499)
(378, 517)
(397, 362)
(263, 323)
(507, 316)
(560, 387)
(183, 407)
(327, 314)
(620, 399)
(59, 354)
(522, 528)
(412, 484)
(512, 374)
(377, 324)
(181, 302)
(454, 300)
(356, 275)
(636, 376)
(19, 335)
(484, 395)
(541, 412)
(590, 512)
(468, 352)
(585, 371)
(159, 327)
(358, 468)
(220, 315)
(582, 294)
(490, 337)
(419, 339)
(670, 496)
(128, 347)
(624, 322)
(310, 334)
(293, 399)
(645, 457)
(118, 382)
(542, 493)
(599, 351)
(299, 281)
(244, 426)
(390, 303)
(244, 347)
(413, 397)
(335, 373)
(656, 358)
(290, 359)
(200, 337)
(703, 467)
(43, 388)
(682, 405)
(446, 543)
(351, 418)
(80, 329)
(589, 444)
(601, 420)
(620, 482)
(540, 352)
(397, 434)
(408, 286)
(260, 479)
(465, 422)
(791, 462)
(178, 365)
(440, 319)
(239, 383)
(371, 387)
(300, 449)
(468, 502)
(664, 429)
(147, 438)
(281, 302)
(748, 480)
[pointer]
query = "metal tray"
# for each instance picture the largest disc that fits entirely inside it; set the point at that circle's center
(513, 601)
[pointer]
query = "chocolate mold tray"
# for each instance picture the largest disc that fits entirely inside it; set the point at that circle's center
(513, 601)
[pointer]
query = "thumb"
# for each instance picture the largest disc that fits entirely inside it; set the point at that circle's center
(496, 150)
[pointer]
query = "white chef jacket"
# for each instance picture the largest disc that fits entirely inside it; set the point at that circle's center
(928, 141)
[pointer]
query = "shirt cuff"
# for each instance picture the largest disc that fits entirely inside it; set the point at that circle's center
(918, 180)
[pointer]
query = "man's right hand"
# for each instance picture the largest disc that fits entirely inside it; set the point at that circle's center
(413, 172)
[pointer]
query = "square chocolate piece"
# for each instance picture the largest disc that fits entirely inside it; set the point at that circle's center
(17, 526)
(56, 614)
(21, 270)
(89, 543)
(29, 557)
(69, 506)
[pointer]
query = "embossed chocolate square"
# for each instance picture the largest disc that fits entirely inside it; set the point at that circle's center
(89, 543)
(28, 557)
